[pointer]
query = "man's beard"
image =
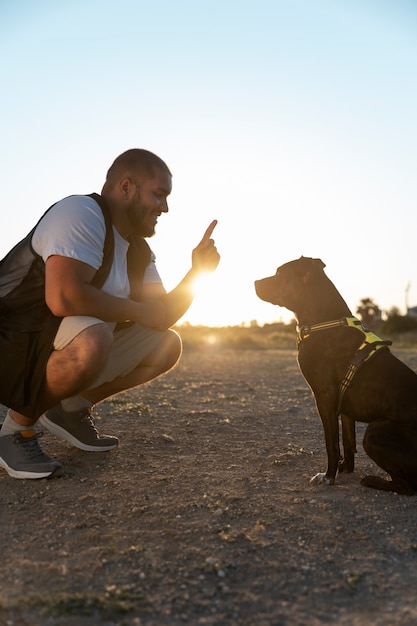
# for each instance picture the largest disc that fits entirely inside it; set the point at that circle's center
(135, 214)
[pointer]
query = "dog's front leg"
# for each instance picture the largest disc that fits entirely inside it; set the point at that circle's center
(349, 444)
(330, 423)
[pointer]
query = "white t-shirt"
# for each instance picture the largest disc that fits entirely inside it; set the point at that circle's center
(74, 227)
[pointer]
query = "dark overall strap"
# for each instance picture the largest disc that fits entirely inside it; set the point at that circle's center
(108, 249)
(27, 325)
(138, 259)
(138, 255)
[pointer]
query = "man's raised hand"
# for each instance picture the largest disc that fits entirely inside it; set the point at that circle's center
(205, 257)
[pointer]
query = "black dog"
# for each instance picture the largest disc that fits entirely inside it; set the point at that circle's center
(352, 373)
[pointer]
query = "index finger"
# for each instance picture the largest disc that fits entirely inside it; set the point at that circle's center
(209, 232)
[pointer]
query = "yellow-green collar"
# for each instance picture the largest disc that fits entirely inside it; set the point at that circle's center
(303, 332)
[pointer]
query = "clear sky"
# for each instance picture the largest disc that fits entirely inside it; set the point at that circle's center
(293, 122)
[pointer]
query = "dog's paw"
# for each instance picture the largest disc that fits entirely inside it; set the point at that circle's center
(322, 479)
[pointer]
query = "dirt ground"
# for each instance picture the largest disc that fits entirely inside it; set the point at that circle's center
(205, 513)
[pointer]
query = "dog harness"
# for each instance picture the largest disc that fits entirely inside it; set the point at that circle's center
(368, 348)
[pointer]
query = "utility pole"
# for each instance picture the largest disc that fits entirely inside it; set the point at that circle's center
(407, 289)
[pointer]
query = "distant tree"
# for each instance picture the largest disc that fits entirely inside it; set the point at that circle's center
(369, 312)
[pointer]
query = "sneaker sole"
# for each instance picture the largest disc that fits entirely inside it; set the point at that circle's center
(31, 475)
(61, 433)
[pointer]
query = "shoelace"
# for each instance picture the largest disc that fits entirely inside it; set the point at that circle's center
(89, 419)
(31, 445)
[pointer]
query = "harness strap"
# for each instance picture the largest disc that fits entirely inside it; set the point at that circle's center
(368, 348)
(363, 354)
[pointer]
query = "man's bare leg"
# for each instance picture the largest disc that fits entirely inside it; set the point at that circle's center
(69, 371)
(71, 418)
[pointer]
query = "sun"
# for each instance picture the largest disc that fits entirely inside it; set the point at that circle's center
(206, 309)
(223, 301)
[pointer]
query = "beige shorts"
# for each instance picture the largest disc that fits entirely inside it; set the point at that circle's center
(130, 344)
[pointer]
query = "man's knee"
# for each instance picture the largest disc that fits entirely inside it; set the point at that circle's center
(172, 349)
(166, 354)
(75, 366)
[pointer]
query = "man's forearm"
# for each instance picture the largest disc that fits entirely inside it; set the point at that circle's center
(96, 303)
(178, 301)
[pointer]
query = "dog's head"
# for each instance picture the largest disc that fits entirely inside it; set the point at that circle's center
(287, 286)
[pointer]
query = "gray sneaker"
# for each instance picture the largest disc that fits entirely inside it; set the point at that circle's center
(22, 457)
(78, 428)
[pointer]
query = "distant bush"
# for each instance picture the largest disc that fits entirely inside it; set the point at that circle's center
(398, 324)
(242, 337)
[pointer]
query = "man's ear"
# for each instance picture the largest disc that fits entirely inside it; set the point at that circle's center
(126, 187)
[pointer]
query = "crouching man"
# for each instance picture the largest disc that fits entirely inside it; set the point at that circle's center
(84, 314)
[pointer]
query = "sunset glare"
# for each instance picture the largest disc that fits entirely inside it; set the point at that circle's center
(291, 122)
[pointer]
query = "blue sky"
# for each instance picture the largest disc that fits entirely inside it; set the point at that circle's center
(291, 122)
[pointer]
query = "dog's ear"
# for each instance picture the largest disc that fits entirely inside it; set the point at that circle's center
(319, 263)
(310, 268)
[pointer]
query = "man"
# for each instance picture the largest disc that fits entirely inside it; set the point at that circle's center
(84, 314)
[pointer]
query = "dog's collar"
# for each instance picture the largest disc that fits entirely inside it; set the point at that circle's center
(368, 348)
(303, 332)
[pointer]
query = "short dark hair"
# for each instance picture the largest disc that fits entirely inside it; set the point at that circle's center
(135, 162)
